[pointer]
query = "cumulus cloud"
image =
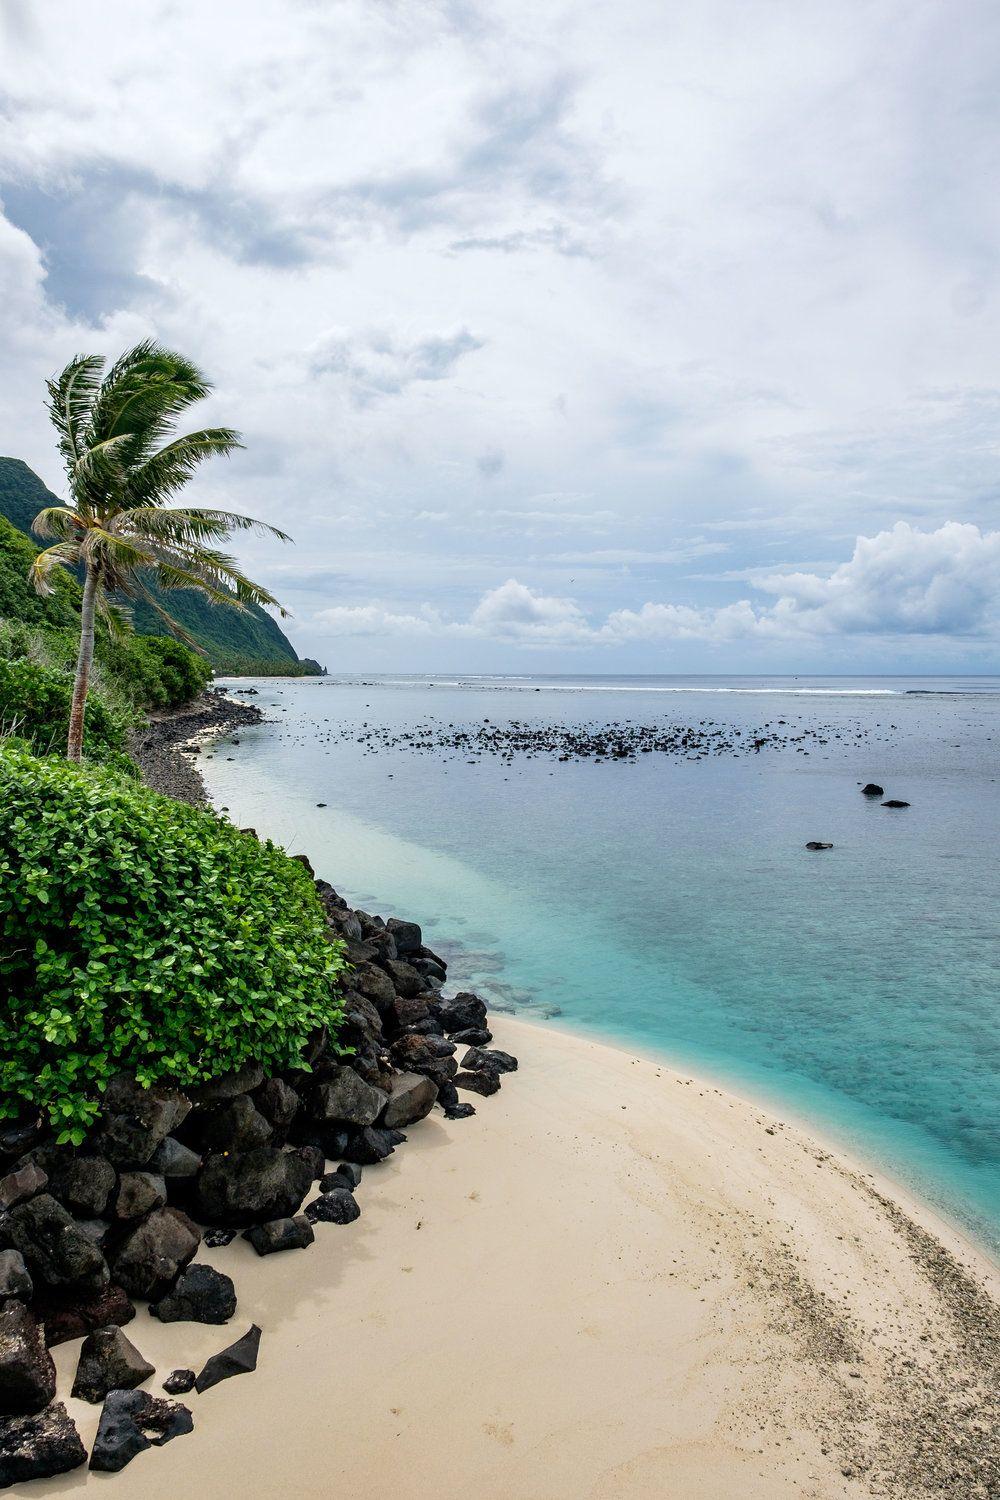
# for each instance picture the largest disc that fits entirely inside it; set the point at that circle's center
(378, 364)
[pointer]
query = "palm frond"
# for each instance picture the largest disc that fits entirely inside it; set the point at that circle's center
(71, 399)
(58, 521)
(170, 468)
(174, 626)
(63, 554)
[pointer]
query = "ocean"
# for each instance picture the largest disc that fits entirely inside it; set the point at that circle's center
(667, 902)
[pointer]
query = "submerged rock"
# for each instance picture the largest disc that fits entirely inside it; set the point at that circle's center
(238, 1359)
(133, 1421)
(201, 1294)
(894, 802)
(39, 1447)
(27, 1373)
(815, 844)
(109, 1362)
(872, 790)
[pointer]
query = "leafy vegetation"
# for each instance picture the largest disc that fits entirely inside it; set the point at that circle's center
(250, 643)
(140, 933)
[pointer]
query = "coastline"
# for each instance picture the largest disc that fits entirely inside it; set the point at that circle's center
(618, 1280)
(166, 748)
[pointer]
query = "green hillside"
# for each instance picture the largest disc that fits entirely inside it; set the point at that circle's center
(248, 642)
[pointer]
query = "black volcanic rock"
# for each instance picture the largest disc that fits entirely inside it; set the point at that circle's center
(178, 1382)
(338, 1206)
(478, 1083)
(252, 1187)
(493, 1061)
(15, 1278)
(133, 1421)
(27, 1373)
(280, 1234)
(238, 1359)
(412, 1097)
(39, 1447)
(149, 1259)
(201, 1294)
(57, 1252)
(460, 1012)
(109, 1362)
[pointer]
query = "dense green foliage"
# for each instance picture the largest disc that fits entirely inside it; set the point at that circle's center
(248, 643)
(18, 600)
(34, 707)
(139, 933)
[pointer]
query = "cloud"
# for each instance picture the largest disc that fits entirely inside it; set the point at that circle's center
(377, 364)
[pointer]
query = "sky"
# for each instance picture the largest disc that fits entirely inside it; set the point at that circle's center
(645, 337)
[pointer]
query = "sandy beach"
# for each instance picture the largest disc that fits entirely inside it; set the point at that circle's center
(615, 1282)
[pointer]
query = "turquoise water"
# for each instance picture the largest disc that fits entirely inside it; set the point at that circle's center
(671, 905)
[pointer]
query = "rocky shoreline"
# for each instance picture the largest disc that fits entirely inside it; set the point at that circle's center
(87, 1233)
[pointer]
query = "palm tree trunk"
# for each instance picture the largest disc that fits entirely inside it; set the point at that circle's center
(85, 656)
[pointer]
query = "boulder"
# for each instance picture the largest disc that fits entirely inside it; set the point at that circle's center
(367, 1146)
(473, 1036)
(280, 1234)
(15, 1278)
(22, 1184)
(236, 1125)
(459, 1111)
(460, 1012)
(252, 1187)
(375, 984)
(238, 1359)
(406, 980)
(493, 1061)
(83, 1184)
(71, 1319)
(872, 790)
(109, 1362)
(39, 1447)
(314, 1158)
(173, 1159)
(350, 1172)
(56, 1251)
(895, 802)
(412, 1097)
(131, 1422)
(139, 1193)
(407, 1012)
(27, 1373)
(151, 1257)
(278, 1102)
(135, 1120)
(478, 1083)
(228, 1085)
(178, 1382)
(430, 967)
(407, 936)
(429, 1055)
(338, 1206)
(201, 1294)
(346, 1098)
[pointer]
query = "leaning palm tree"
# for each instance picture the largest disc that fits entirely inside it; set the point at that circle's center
(116, 436)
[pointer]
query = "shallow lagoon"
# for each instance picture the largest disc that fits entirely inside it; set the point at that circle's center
(671, 904)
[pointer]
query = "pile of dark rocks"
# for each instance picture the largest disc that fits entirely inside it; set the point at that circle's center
(86, 1233)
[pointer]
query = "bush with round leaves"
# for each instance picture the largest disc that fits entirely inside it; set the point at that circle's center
(140, 934)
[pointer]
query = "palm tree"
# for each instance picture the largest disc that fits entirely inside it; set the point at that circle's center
(116, 436)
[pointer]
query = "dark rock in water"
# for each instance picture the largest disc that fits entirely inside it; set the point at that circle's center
(479, 1083)
(339, 1206)
(460, 1012)
(252, 1187)
(135, 1120)
(238, 1359)
(133, 1421)
(280, 1234)
(894, 802)
(459, 1111)
(39, 1447)
(173, 1159)
(27, 1374)
(473, 1036)
(109, 1362)
(408, 936)
(138, 1194)
(242, 1081)
(56, 1251)
(278, 1102)
(149, 1260)
(236, 1125)
(871, 790)
(201, 1294)
(493, 1061)
(346, 1097)
(15, 1278)
(412, 1097)
(815, 844)
(178, 1382)
(214, 1239)
(18, 1186)
(83, 1184)
(71, 1319)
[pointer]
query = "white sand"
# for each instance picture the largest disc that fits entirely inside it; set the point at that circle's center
(611, 1283)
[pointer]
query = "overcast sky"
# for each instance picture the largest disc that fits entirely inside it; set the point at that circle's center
(652, 336)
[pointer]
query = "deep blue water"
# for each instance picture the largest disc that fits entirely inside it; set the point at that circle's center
(671, 904)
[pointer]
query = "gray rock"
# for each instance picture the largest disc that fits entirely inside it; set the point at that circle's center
(407, 935)
(18, 1186)
(478, 1083)
(15, 1278)
(338, 1206)
(135, 1120)
(139, 1193)
(39, 1447)
(108, 1362)
(238, 1359)
(347, 1098)
(278, 1102)
(27, 1373)
(481, 1060)
(412, 1097)
(56, 1251)
(243, 1081)
(172, 1159)
(133, 1421)
(150, 1258)
(252, 1187)
(460, 1011)
(406, 980)
(235, 1126)
(280, 1234)
(83, 1184)
(374, 983)
(201, 1294)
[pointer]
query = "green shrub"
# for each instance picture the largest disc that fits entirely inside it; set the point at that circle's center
(35, 703)
(140, 933)
(153, 671)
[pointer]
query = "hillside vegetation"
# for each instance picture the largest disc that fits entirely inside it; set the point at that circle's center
(247, 643)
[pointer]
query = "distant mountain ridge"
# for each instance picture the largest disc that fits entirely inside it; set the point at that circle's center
(245, 642)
